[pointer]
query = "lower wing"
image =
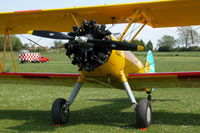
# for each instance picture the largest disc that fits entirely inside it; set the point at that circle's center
(39, 78)
(144, 80)
(165, 80)
(57, 79)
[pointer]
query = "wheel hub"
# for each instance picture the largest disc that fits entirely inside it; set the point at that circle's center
(64, 113)
(148, 114)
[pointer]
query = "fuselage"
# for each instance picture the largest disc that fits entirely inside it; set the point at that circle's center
(119, 61)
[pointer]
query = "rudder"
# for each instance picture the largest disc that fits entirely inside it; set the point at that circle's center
(150, 64)
(150, 67)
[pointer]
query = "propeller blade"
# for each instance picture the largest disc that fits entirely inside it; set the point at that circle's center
(116, 45)
(50, 34)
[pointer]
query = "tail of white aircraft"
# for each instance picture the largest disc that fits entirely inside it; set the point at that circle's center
(150, 65)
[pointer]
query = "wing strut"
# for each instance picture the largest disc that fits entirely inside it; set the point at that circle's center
(137, 33)
(134, 19)
(75, 19)
(4, 53)
(130, 23)
(2, 66)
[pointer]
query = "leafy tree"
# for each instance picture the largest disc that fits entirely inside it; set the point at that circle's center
(139, 42)
(190, 48)
(149, 46)
(25, 46)
(142, 43)
(1, 42)
(58, 45)
(15, 41)
(40, 49)
(166, 43)
(17, 44)
(188, 36)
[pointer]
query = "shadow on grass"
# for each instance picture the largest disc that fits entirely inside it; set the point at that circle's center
(108, 114)
(165, 100)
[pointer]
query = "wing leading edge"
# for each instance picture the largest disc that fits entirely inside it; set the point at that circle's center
(39, 78)
(145, 80)
(163, 13)
(165, 80)
(56, 79)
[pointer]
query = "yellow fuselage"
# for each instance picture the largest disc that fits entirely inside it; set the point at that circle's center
(119, 61)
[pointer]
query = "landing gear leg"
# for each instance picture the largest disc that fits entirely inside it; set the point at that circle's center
(149, 97)
(60, 108)
(148, 91)
(142, 108)
(130, 94)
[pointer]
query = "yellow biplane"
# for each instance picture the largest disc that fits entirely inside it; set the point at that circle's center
(101, 57)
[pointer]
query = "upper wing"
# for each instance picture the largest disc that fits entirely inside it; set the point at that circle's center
(165, 80)
(165, 13)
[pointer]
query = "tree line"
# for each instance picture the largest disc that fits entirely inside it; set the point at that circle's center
(15, 41)
(17, 45)
(147, 46)
(186, 37)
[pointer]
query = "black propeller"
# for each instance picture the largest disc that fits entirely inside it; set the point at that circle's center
(114, 45)
(50, 34)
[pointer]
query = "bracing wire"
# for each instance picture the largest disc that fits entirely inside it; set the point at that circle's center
(32, 41)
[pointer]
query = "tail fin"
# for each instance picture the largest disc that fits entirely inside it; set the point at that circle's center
(150, 65)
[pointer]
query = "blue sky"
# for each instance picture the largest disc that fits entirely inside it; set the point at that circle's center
(147, 34)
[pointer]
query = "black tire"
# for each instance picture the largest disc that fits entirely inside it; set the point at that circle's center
(60, 115)
(143, 113)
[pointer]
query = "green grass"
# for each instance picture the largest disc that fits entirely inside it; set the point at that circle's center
(26, 108)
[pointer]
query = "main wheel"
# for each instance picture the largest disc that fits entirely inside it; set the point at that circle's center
(60, 114)
(143, 114)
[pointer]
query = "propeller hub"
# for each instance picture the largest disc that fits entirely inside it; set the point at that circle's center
(81, 39)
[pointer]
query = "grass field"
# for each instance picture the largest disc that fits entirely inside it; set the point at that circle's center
(26, 108)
